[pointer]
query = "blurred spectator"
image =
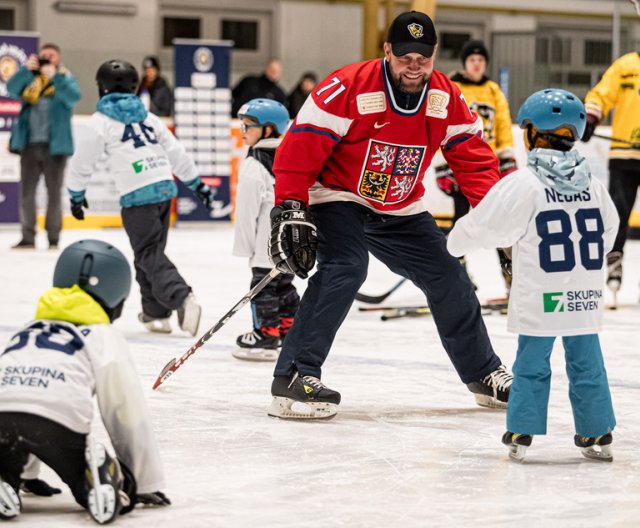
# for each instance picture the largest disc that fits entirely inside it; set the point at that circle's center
(264, 86)
(300, 93)
(155, 88)
(42, 137)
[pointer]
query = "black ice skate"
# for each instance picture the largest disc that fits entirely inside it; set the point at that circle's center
(10, 504)
(104, 476)
(493, 390)
(614, 274)
(302, 397)
(258, 345)
(595, 448)
(517, 444)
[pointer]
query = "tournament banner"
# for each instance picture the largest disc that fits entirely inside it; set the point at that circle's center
(15, 48)
(202, 117)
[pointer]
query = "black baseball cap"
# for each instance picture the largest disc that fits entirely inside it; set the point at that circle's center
(412, 32)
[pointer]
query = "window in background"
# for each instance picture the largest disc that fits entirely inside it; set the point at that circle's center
(175, 27)
(597, 52)
(7, 19)
(244, 34)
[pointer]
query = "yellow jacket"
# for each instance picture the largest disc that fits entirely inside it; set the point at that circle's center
(487, 100)
(619, 88)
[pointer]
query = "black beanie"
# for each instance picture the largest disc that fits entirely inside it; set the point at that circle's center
(474, 47)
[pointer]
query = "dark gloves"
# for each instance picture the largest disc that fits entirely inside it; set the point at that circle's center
(157, 498)
(39, 487)
(505, 260)
(205, 195)
(507, 166)
(77, 208)
(293, 238)
(589, 129)
(445, 180)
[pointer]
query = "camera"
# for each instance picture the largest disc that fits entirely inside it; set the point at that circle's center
(43, 61)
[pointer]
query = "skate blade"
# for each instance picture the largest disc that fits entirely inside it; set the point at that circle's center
(484, 400)
(255, 354)
(289, 409)
(605, 454)
(158, 326)
(517, 452)
(102, 499)
(10, 505)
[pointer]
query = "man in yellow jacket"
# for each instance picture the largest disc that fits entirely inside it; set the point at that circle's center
(619, 89)
(485, 98)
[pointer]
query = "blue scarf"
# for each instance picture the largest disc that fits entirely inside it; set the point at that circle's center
(123, 107)
(565, 172)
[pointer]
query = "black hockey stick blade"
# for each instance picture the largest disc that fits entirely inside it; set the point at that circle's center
(377, 299)
(175, 364)
(632, 144)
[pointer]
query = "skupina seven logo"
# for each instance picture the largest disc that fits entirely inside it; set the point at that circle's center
(571, 301)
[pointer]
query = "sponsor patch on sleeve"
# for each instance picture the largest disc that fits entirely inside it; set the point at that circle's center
(371, 103)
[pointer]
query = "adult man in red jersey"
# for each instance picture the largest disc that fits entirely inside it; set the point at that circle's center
(352, 166)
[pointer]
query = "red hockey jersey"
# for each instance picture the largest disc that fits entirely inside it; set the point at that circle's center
(352, 142)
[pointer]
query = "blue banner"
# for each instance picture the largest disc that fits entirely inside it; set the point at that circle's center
(202, 120)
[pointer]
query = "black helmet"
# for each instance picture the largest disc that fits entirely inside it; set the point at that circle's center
(99, 269)
(117, 76)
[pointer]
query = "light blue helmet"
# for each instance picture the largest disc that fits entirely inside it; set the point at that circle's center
(551, 109)
(266, 112)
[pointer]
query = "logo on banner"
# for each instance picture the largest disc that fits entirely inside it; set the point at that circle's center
(11, 57)
(390, 171)
(203, 59)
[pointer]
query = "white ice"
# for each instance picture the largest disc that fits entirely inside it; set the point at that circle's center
(409, 447)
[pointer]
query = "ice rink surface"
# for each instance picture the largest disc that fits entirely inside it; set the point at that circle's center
(408, 447)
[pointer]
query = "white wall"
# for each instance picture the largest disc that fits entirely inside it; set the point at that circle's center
(318, 37)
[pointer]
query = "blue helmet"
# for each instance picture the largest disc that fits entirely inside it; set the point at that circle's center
(266, 112)
(551, 109)
(98, 268)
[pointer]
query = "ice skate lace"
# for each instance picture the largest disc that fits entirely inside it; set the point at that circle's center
(500, 379)
(314, 382)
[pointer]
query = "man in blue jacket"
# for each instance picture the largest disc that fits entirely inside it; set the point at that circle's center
(42, 137)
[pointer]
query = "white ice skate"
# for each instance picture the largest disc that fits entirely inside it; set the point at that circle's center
(189, 315)
(10, 505)
(596, 448)
(614, 275)
(157, 326)
(256, 354)
(105, 499)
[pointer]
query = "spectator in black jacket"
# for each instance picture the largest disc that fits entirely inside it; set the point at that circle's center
(155, 87)
(264, 86)
(300, 93)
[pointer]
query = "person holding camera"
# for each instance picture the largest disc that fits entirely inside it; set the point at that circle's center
(42, 137)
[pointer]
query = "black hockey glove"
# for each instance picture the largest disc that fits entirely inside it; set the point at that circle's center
(205, 195)
(445, 180)
(39, 487)
(157, 498)
(505, 260)
(293, 238)
(77, 208)
(589, 129)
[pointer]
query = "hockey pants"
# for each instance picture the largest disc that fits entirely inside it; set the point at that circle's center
(411, 246)
(161, 286)
(588, 386)
(278, 299)
(60, 448)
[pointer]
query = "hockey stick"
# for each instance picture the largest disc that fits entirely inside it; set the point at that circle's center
(377, 299)
(632, 144)
(175, 364)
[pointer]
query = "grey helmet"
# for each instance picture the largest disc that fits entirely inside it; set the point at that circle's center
(98, 268)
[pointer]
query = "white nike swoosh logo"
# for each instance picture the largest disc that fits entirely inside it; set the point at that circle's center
(376, 125)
